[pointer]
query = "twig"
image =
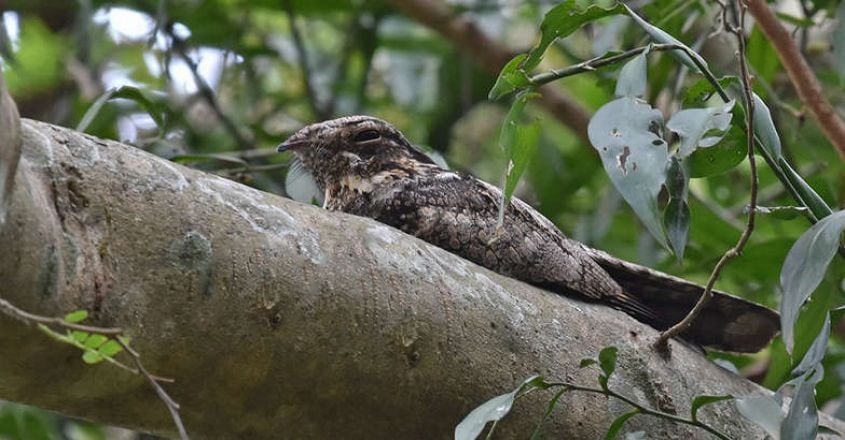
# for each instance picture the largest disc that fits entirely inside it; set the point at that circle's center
(642, 409)
(601, 61)
(805, 82)
(736, 250)
(12, 311)
(171, 404)
(319, 111)
(209, 95)
(253, 168)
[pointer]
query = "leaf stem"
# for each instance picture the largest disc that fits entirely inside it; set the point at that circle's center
(642, 409)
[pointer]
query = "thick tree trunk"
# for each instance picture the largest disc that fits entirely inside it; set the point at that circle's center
(281, 320)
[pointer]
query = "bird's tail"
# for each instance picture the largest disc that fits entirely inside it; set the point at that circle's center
(726, 323)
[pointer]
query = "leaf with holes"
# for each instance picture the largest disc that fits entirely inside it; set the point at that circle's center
(700, 127)
(518, 140)
(634, 156)
(494, 409)
(804, 269)
(564, 19)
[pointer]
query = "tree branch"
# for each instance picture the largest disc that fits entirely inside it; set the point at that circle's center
(277, 318)
(805, 82)
(492, 56)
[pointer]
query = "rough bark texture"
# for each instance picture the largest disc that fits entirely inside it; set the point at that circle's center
(281, 320)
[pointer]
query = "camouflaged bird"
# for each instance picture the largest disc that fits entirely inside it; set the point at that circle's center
(366, 167)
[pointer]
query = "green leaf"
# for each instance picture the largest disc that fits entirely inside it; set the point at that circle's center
(124, 92)
(633, 155)
(704, 399)
(802, 419)
(764, 128)
(510, 78)
(493, 410)
(564, 19)
(677, 221)
(79, 336)
(95, 341)
(763, 411)
(92, 357)
(76, 316)
(607, 360)
(817, 350)
(110, 348)
(836, 313)
(810, 324)
(660, 36)
(549, 409)
(586, 362)
(725, 155)
(700, 127)
(804, 269)
(698, 94)
(676, 216)
(618, 424)
(632, 77)
(519, 141)
(809, 197)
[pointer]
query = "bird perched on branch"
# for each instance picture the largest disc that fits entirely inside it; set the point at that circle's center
(366, 167)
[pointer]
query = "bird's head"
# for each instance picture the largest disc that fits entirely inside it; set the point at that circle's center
(355, 145)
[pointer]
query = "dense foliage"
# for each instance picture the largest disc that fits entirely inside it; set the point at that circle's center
(218, 84)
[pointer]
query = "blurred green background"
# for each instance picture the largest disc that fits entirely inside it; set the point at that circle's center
(218, 84)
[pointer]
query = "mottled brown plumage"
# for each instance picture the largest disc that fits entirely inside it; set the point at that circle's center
(366, 167)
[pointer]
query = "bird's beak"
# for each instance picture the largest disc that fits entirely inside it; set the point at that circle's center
(291, 144)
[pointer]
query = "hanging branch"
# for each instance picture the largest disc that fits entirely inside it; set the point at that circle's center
(739, 31)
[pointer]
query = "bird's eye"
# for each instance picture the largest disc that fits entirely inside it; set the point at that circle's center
(366, 135)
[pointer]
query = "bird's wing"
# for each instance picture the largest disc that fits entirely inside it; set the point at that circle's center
(459, 213)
